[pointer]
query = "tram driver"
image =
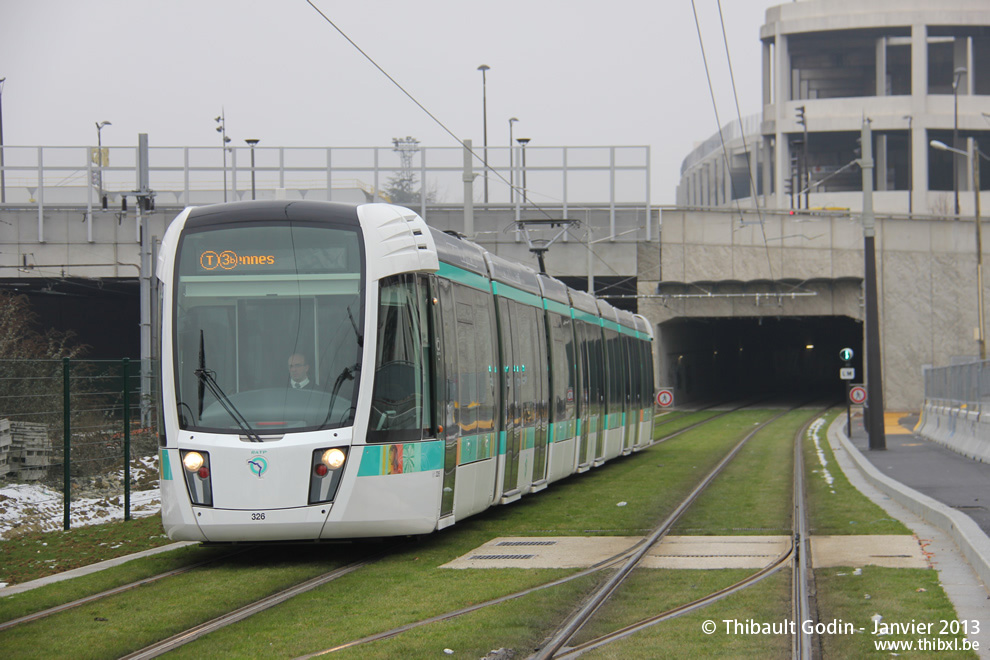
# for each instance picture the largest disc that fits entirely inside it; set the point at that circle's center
(299, 372)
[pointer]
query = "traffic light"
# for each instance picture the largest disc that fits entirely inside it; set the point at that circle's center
(800, 115)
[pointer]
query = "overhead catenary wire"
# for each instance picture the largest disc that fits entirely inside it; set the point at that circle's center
(447, 130)
(721, 135)
(742, 132)
(422, 107)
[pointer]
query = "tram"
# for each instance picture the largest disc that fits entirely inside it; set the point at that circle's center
(440, 379)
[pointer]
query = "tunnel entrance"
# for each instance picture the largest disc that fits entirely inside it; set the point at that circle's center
(732, 358)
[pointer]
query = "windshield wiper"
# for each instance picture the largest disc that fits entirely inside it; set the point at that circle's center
(357, 333)
(347, 374)
(207, 377)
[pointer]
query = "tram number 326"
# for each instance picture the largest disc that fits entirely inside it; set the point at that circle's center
(257, 516)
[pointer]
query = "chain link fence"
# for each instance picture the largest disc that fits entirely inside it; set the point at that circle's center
(77, 438)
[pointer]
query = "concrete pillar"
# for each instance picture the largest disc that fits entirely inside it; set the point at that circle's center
(767, 73)
(782, 78)
(768, 170)
(881, 75)
(919, 137)
(881, 162)
(754, 169)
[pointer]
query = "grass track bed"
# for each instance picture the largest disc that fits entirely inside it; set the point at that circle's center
(625, 497)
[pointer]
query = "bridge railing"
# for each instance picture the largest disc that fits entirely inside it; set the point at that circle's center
(959, 384)
(956, 411)
(183, 175)
(76, 436)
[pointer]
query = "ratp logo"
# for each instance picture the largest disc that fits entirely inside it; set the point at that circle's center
(258, 466)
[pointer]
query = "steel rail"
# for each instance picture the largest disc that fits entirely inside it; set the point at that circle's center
(180, 639)
(802, 643)
(680, 610)
(803, 578)
(577, 620)
(606, 563)
(112, 592)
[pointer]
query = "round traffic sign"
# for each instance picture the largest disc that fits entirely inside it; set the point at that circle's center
(665, 398)
(857, 394)
(846, 354)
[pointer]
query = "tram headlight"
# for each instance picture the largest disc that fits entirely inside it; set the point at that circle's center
(192, 461)
(326, 473)
(199, 485)
(333, 458)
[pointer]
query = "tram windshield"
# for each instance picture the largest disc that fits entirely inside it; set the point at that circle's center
(273, 316)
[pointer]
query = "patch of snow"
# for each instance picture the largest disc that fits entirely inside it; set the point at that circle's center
(39, 508)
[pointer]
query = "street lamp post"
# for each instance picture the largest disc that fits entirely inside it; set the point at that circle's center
(3, 174)
(977, 155)
(99, 152)
(959, 72)
(512, 164)
(221, 120)
(252, 142)
(523, 142)
(484, 116)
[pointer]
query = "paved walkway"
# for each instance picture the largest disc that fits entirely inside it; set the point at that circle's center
(937, 494)
(928, 467)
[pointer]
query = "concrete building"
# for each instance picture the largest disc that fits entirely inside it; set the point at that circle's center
(920, 70)
(760, 292)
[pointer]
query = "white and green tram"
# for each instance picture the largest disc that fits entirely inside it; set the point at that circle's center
(442, 379)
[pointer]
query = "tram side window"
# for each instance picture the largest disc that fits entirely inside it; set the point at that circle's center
(630, 355)
(563, 375)
(646, 390)
(401, 404)
(614, 369)
(596, 368)
(476, 361)
(650, 383)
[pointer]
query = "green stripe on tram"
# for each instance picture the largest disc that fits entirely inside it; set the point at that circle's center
(512, 293)
(166, 466)
(473, 280)
(476, 448)
(580, 315)
(556, 307)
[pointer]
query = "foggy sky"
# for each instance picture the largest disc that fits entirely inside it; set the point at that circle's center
(575, 72)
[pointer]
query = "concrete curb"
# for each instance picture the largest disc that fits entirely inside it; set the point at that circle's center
(966, 534)
(92, 568)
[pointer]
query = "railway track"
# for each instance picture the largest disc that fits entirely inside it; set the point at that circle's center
(625, 561)
(194, 633)
(36, 616)
(798, 555)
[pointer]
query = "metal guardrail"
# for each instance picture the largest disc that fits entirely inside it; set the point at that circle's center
(959, 384)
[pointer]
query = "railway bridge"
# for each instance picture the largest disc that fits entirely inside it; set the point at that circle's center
(745, 301)
(764, 301)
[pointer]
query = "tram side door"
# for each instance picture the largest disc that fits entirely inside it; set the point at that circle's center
(446, 345)
(511, 408)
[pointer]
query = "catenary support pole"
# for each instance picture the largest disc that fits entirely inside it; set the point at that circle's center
(874, 368)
